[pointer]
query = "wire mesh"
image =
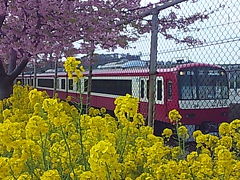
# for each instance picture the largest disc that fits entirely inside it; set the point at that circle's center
(219, 36)
(209, 90)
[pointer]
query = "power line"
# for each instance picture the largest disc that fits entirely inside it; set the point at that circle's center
(201, 46)
(196, 47)
(218, 25)
(195, 29)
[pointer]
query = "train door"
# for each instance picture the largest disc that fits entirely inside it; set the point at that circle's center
(160, 109)
(169, 102)
(159, 97)
(143, 95)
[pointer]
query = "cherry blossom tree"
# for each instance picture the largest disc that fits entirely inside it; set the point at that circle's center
(32, 27)
(29, 28)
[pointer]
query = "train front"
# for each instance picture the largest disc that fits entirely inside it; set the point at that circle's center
(203, 97)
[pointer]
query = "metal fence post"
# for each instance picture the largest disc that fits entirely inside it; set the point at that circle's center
(89, 86)
(153, 68)
(55, 76)
(35, 73)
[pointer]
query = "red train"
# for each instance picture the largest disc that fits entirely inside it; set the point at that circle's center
(198, 91)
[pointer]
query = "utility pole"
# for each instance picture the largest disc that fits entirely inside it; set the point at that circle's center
(153, 55)
(153, 68)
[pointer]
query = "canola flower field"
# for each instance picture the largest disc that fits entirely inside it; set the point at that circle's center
(45, 138)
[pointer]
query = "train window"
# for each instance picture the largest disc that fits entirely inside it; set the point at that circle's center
(238, 82)
(31, 82)
(204, 83)
(231, 84)
(159, 89)
(63, 83)
(142, 89)
(169, 90)
(48, 83)
(108, 86)
(70, 84)
(232, 79)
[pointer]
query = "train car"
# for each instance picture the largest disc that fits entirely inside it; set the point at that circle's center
(200, 92)
(233, 71)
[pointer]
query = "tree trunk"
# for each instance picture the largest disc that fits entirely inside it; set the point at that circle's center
(7, 77)
(6, 87)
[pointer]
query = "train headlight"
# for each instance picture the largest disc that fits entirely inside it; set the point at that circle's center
(181, 73)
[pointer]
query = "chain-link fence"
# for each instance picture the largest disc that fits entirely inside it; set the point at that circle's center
(198, 65)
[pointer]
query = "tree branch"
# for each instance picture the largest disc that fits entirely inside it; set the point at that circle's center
(2, 19)
(3, 16)
(12, 60)
(150, 11)
(115, 4)
(19, 69)
(2, 70)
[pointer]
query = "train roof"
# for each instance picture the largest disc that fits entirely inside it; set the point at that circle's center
(135, 71)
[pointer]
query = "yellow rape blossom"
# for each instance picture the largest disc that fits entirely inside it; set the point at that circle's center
(87, 175)
(224, 129)
(197, 133)
(104, 161)
(45, 138)
(50, 175)
(103, 110)
(183, 132)
(25, 176)
(226, 141)
(72, 65)
(36, 127)
(35, 96)
(167, 133)
(4, 167)
(51, 106)
(174, 116)
(126, 104)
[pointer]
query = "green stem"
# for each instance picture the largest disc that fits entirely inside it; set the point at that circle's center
(32, 166)
(80, 105)
(119, 141)
(108, 172)
(60, 167)
(12, 173)
(32, 171)
(69, 153)
(179, 140)
(183, 146)
(124, 146)
(81, 143)
(43, 153)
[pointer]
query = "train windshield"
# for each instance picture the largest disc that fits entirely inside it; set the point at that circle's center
(203, 83)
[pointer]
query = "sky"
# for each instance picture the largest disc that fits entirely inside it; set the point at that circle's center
(146, 2)
(220, 35)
